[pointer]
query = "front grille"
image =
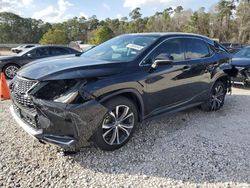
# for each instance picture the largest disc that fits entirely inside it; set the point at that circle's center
(23, 85)
(19, 90)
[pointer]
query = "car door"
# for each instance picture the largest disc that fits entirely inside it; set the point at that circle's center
(199, 57)
(171, 85)
(162, 88)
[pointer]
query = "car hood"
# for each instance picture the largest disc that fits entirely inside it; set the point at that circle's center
(241, 62)
(69, 67)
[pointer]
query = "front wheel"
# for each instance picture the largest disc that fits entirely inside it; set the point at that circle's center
(216, 97)
(117, 125)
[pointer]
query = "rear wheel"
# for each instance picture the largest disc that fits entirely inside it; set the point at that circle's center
(10, 71)
(216, 97)
(117, 125)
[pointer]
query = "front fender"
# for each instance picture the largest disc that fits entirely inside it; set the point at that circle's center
(127, 92)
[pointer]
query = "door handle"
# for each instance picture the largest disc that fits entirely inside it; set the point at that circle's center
(186, 68)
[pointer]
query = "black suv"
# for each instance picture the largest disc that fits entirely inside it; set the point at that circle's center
(102, 94)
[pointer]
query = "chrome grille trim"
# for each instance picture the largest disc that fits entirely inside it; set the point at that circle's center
(20, 88)
(23, 85)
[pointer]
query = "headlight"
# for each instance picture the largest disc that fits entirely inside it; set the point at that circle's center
(68, 98)
(62, 91)
(55, 89)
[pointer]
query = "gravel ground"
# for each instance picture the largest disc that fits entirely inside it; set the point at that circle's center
(187, 149)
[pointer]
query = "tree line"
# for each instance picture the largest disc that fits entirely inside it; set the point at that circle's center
(229, 20)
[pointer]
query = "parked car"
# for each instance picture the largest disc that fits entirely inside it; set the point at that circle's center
(10, 64)
(241, 61)
(101, 95)
(22, 48)
(81, 46)
(233, 47)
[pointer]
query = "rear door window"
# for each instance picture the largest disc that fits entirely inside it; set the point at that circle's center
(41, 52)
(58, 51)
(196, 49)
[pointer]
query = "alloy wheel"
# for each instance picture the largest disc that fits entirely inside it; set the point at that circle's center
(217, 97)
(117, 125)
(10, 71)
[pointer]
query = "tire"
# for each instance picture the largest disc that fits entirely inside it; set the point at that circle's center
(10, 70)
(106, 137)
(216, 97)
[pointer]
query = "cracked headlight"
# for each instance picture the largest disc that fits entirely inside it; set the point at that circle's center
(62, 91)
(56, 89)
(67, 98)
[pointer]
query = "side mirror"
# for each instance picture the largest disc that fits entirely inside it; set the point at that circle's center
(162, 59)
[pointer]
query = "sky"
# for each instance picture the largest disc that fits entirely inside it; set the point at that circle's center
(61, 10)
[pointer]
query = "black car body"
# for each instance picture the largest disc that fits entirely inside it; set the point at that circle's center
(100, 95)
(241, 61)
(10, 64)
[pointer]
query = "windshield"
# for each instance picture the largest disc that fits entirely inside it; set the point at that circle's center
(243, 53)
(121, 48)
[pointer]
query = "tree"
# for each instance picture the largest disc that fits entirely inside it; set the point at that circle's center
(15, 29)
(178, 9)
(161, 21)
(199, 22)
(224, 15)
(92, 22)
(180, 20)
(102, 34)
(228, 20)
(54, 36)
(243, 21)
(124, 19)
(135, 14)
(192, 26)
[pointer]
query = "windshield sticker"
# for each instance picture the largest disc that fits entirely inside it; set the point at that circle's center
(135, 47)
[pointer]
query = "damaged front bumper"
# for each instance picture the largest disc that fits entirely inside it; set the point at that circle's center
(70, 126)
